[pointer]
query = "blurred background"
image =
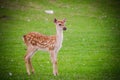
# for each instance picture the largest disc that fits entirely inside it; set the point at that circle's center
(91, 46)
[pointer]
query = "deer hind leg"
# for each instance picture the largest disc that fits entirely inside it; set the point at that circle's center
(29, 60)
(53, 56)
(29, 53)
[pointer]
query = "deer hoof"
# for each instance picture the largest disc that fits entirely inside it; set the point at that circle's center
(28, 74)
(55, 73)
(33, 72)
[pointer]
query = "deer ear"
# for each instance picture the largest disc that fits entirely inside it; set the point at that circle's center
(64, 20)
(55, 20)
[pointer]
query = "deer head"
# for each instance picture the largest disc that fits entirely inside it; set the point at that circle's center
(60, 24)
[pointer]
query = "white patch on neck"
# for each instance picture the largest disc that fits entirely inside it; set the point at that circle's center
(59, 38)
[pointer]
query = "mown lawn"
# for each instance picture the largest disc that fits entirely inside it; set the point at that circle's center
(91, 47)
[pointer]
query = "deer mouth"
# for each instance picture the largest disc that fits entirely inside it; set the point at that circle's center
(64, 28)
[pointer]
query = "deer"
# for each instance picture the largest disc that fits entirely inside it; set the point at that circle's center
(35, 41)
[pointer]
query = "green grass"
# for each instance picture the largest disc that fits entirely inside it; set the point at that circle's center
(91, 44)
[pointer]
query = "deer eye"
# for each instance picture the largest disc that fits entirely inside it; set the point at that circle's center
(60, 24)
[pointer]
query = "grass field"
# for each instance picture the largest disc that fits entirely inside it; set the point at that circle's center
(91, 47)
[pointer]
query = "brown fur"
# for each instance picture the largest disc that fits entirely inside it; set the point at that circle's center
(36, 41)
(42, 41)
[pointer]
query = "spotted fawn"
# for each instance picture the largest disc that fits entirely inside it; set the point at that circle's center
(52, 44)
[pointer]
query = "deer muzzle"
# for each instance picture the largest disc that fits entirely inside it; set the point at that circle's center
(64, 28)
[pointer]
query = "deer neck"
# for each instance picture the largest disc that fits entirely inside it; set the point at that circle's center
(59, 36)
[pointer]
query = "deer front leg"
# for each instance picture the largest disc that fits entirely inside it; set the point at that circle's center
(53, 56)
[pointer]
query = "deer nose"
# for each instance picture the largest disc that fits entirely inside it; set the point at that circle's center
(64, 28)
